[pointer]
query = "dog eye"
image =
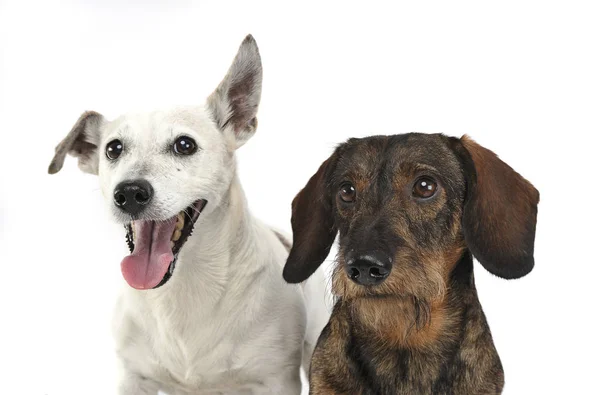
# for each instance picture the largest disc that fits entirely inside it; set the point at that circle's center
(114, 149)
(424, 188)
(347, 193)
(184, 145)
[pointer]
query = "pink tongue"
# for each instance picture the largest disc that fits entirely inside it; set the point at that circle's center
(152, 255)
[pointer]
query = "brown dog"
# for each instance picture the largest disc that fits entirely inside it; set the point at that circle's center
(411, 210)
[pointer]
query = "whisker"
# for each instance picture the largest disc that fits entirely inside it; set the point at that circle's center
(195, 209)
(189, 216)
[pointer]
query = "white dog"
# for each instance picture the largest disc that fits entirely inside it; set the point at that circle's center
(207, 313)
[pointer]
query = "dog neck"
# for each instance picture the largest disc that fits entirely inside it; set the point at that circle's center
(392, 345)
(407, 322)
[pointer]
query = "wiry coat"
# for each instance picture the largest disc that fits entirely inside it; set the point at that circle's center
(415, 208)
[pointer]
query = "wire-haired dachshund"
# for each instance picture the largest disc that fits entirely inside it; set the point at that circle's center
(411, 211)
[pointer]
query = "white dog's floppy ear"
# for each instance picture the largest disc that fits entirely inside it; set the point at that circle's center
(81, 142)
(235, 101)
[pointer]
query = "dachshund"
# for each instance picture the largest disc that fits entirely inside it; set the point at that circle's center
(412, 211)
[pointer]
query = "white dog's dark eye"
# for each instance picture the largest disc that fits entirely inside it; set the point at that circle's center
(424, 188)
(114, 149)
(184, 145)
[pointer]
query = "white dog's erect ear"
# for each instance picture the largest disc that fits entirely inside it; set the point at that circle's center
(235, 101)
(81, 142)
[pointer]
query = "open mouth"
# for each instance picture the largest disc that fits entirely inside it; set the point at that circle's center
(155, 245)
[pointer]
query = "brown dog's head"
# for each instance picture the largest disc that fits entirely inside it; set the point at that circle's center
(406, 207)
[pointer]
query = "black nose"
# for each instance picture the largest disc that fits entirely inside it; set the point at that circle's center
(370, 269)
(133, 196)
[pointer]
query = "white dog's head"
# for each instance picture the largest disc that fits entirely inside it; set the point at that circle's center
(158, 171)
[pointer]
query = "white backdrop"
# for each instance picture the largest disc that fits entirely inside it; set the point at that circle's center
(521, 77)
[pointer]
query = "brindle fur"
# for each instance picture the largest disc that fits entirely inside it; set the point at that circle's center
(421, 331)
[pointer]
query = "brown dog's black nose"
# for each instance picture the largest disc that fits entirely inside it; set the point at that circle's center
(133, 196)
(370, 269)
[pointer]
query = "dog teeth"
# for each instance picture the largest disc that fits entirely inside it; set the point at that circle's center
(176, 235)
(180, 222)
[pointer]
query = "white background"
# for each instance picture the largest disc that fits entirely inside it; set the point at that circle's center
(522, 78)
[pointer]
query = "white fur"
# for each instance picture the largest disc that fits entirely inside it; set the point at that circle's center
(226, 322)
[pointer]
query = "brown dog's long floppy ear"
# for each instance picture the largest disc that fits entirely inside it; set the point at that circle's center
(313, 225)
(81, 142)
(234, 103)
(500, 211)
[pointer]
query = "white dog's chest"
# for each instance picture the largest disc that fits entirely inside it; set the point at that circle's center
(199, 357)
(179, 365)
(197, 352)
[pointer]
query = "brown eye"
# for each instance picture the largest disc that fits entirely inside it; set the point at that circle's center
(114, 149)
(347, 193)
(184, 145)
(424, 188)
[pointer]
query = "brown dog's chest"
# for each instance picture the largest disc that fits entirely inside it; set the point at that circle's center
(353, 364)
(351, 360)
